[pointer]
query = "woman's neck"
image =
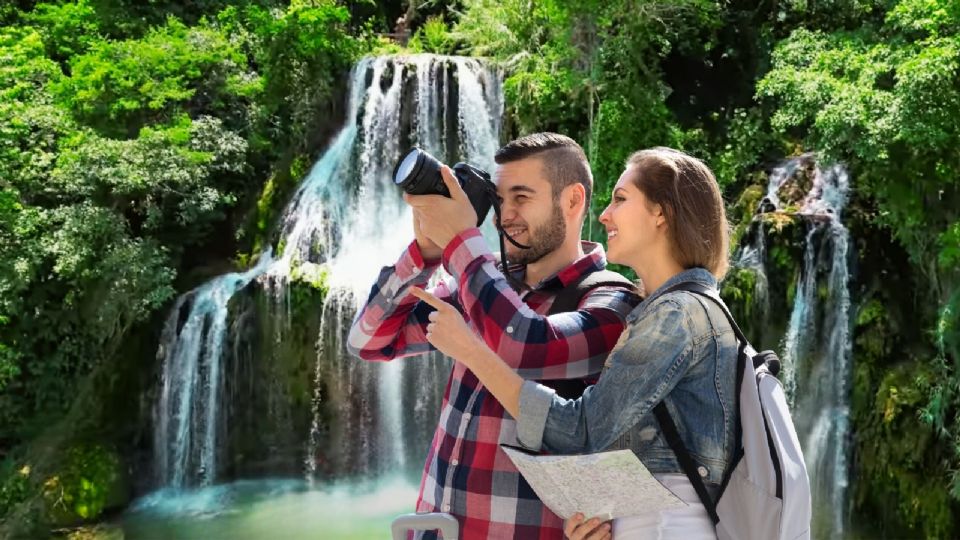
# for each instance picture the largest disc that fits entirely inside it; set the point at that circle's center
(657, 271)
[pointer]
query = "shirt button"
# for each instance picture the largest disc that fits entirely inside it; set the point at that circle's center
(509, 329)
(454, 462)
(702, 470)
(466, 416)
(415, 268)
(446, 508)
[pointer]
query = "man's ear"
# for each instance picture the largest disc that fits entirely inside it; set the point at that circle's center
(574, 199)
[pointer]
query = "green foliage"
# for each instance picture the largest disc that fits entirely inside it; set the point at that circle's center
(500, 29)
(886, 99)
(120, 86)
(895, 450)
(949, 242)
(433, 37)
(83, 488)
(302, 54)
(739, 289)
(68, 28)
(747, 139)
(93, 222)
(160, 179)
(742, 214)
(24, 68)
(14, 485)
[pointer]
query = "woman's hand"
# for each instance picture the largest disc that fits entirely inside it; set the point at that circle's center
(447, 331)
(593, 529)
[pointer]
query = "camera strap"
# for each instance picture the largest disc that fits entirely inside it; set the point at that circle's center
(517, 284)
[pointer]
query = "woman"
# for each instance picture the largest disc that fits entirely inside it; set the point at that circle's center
(666, 220)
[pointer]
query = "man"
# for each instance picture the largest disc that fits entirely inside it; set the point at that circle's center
(544, 183)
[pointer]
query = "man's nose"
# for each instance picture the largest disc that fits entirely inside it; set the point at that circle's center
(508, 212)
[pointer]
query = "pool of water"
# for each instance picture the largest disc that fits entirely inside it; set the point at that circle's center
(267, 509)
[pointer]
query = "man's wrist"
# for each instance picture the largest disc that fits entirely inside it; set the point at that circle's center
(413, 262)
(428, 255)
(462, 250)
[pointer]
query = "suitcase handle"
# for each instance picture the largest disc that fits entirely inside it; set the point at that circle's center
(446, 523)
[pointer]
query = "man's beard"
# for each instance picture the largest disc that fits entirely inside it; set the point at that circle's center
(543, 240)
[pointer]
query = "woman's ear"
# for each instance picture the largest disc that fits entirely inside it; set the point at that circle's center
(658, 214)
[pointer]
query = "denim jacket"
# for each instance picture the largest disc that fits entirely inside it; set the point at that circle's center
(678, 348)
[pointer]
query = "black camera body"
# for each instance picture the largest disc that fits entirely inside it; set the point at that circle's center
(418, 173)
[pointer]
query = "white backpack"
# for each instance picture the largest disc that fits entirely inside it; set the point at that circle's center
(765, 494)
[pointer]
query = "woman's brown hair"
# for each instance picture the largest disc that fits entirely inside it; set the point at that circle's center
(690, 199)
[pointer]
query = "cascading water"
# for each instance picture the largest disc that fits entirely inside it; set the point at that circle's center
(344, 222)
(391, 409)
(188, 422)
(816, 347)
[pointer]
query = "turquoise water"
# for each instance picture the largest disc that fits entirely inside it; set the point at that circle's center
(268, 509)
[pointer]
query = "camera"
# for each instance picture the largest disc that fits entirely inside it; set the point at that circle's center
(418, 173)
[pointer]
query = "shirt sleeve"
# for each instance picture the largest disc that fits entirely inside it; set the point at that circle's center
(393, 322)
(562, 346)
(641, 372)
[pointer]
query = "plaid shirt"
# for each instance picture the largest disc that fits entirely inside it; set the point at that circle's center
(466, 473)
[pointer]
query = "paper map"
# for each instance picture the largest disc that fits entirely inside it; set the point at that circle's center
(607, 485)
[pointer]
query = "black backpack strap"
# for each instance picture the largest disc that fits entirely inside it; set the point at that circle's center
(670, 428)
(714, 295)
(568, 299)
(683, 457)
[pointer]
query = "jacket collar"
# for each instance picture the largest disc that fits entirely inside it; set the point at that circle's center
(696, 275)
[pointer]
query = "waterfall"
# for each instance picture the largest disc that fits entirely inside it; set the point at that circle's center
(816, 347)
(345, 221)
(187, 419)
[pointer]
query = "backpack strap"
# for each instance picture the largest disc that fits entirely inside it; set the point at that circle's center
(712, 294)
(569, 297)
(567, 300)
(683, 457)
(670, 428)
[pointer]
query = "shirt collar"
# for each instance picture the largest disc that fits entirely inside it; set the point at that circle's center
(594, 258)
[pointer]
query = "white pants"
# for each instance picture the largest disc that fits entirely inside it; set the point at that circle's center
(687, 523)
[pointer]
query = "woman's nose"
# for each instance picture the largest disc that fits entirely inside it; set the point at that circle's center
(605, 215)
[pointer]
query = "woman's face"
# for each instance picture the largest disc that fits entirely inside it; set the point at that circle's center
(635, 228)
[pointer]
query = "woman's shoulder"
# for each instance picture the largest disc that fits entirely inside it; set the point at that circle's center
(686, 309)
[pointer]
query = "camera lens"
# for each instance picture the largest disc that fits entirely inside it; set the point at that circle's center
(418, 173)
(406, 167)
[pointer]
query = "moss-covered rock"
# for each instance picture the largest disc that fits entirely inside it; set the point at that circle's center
(90, 480)
(94, 532)
(15, 485)
(896, 454)
(743, 211)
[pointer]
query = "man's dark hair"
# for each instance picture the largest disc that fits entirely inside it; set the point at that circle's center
(564, 162)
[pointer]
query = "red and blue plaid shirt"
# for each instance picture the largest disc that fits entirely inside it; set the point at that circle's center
(466, 473)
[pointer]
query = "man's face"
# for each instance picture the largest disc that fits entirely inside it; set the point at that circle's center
(530, 213)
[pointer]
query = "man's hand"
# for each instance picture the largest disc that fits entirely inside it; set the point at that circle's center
(447, 331)
(428, 249)
(438, 218)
